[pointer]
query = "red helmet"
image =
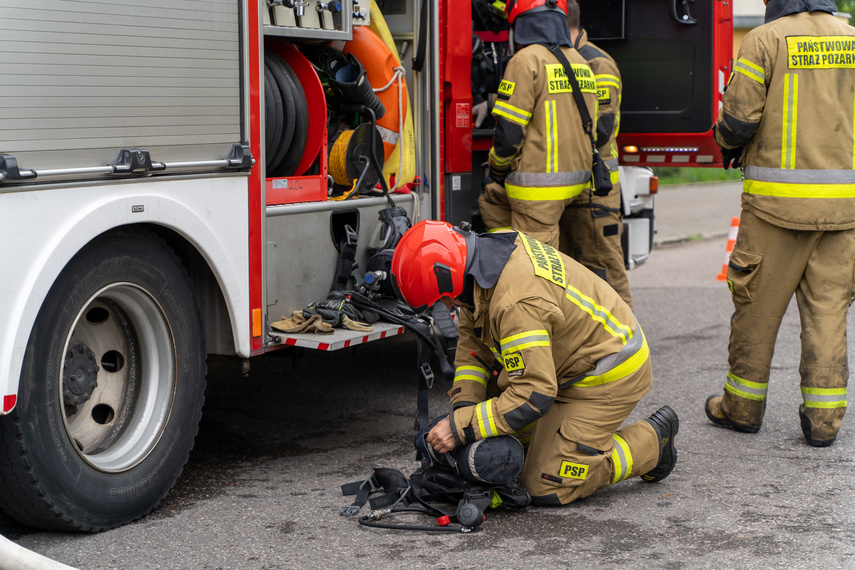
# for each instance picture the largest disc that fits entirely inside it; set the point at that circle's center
(429, 263)
(514, 8)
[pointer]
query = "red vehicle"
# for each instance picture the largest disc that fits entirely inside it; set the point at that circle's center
(170, 190)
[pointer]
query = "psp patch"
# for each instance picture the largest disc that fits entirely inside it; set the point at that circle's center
(506, 88)
(514, 364)
(573, 471)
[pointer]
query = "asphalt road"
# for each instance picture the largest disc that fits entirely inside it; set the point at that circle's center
(262, 486)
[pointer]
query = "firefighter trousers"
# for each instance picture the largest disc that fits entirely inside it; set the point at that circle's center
(535, 218)
(590, 232)
(767, 266)
(577, 448)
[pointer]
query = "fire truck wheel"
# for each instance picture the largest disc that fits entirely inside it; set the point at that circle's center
(111, 390)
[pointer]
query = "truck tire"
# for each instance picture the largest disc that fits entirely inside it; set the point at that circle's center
(111, 390)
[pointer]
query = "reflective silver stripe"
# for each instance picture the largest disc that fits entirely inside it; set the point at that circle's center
(475, 373)
(599, 314)
(750, 69)
(511, 113)
(827, 398)
(612, 361)
(513, 346)
(613, 164)
(538, 179)
(746, 388)
(791, 101)
(551, 137)
(622, 458)
(766, 174)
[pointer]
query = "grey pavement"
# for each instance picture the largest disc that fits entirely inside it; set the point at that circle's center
(694, 212)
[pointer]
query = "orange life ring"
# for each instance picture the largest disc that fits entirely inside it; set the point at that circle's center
(380, 63)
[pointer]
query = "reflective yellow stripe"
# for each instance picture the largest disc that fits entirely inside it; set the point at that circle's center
(551, 137)
(511, 113)
(791, 102)
(524, 340)
(751, 70)
(747, 389)
(607, 81)
(599, 314)
(786, 190)
(621, 459)
(532, 193)
(499, 230)
(632, 364)
(826, 398)
(499, 161)
(471, 373)
(484, 417)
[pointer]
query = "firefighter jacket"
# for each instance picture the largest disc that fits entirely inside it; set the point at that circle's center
(540, 149)
(543, 328)
(609, 86)
(790, 103)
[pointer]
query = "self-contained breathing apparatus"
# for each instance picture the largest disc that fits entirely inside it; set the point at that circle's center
(456, 487)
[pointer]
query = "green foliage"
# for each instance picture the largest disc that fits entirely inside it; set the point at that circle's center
(846, 6)
(672, 176)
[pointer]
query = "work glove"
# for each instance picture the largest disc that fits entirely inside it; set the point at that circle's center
(479, 113)
(732, 157)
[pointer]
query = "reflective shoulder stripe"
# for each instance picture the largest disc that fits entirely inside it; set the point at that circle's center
(621, 459)
(511, 113)
(498, 161)
(747, 389)
(824, 397)
(606, 80)
(751, 70)
(471, 373)
(599, 314)
(485, 420)
(524, 340)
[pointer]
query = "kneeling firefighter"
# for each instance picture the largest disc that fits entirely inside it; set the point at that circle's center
(547, 353)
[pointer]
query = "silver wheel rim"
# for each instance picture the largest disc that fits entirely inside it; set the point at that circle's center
(124, 416)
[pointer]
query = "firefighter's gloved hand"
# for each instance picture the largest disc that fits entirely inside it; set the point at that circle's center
(732, 157)
(479, 113)
(498, 175)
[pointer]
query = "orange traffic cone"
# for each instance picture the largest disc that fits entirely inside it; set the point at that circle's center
(731, 242)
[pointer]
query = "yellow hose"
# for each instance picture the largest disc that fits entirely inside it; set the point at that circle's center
(338, 159)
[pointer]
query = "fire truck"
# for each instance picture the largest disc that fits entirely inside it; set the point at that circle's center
(177, 175)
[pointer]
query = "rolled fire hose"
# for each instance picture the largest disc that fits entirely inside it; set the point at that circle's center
(15, 557)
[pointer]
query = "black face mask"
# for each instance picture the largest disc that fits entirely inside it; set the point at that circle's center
(468, 295)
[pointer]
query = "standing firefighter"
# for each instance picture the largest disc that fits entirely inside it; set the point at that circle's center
(591, 226)
(541, 155)
(548, 353)
(788, 118)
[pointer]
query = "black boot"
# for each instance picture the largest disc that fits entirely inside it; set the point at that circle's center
(666, 424)
(807, 430)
